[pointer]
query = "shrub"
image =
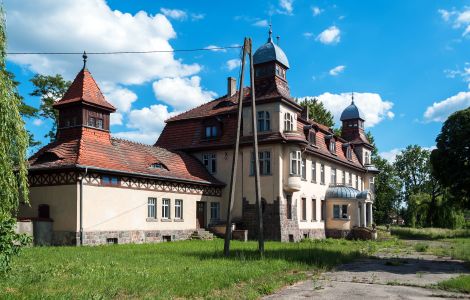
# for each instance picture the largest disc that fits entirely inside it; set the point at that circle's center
(10, 242)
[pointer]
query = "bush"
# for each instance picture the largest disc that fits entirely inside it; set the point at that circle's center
(421, 247)
(10, 242)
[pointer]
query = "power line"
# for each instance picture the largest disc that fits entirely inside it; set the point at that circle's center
(126, 52)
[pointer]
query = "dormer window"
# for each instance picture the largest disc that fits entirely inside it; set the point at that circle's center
(264, 121)
(158, 165)
(288, 122)
(349, 153)
(367, 158)
(332, 146)
(312, 137)
(211, 132)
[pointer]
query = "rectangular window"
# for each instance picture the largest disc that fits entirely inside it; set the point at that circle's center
(314, 209)
(211, 131)
(304, 169)
(165, 208)
(264, 163)
(152, 208)
(336, 211)
(323, 210)
(209, 161)
(215, 211)
(295, 161)
(372, 184)
(343, 178)
(322, 174)
(312, 137)
(304, 209)
(99, 123)
(333, 176)
(332, 146)
(178, 209)
(367, 158)
(91, 121)
(289, 207)
(288, 122)
(349, 179)
(109, 180)
(340, 211)
(264, 123)
(357, 182)
(314, 171)
(344, 211)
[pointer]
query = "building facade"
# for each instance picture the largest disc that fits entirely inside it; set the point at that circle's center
(99, 189)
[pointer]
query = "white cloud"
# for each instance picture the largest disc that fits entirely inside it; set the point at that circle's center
(458, 18)
(286, 6)
(116, 118)
(375, 109)
(181, 93)
(463, 74)
(91, 25)
(439, 111)
(307, 34)
(215, 48)
(232, 64)
(337, 70)
(331, 35)
(122, 98)
(261, 23)
(176, 14)
(316, 11)
(147, 123)
(391, 155)
(197, 17)
(37, 122)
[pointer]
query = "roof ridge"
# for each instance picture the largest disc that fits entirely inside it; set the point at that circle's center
(131, 142)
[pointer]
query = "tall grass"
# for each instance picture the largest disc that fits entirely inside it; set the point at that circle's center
(428, 233)
(188, 269)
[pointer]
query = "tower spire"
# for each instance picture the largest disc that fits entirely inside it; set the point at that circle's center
(270, 38)
(352, 97)
(84, 59)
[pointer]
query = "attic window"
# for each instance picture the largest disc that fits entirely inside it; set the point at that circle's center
(312, 138)
(332, 146)
(158, 166)
(224, 104)
(47, 157)
(349, 153)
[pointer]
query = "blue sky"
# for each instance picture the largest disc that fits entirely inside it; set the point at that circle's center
(407, 61)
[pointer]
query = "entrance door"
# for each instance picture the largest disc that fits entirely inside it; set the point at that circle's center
(200, 214)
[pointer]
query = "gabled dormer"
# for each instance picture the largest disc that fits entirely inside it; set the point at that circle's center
(83, 106)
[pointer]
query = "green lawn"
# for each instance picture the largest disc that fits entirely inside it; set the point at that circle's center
(172, 270)
(458, 284)
(428, 233)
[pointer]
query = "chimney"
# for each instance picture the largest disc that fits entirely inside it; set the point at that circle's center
(231, 86)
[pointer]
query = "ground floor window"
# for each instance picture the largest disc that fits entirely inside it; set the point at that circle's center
(215, 211)
(289, 206)
(304, 209)
(152, 208)
(340, 211)
(178, 209)
(165, 208)
(314, 209)
(323, 208)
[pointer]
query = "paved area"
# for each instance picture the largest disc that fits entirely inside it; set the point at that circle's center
(382, 277)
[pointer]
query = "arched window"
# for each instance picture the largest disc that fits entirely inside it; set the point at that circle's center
(288, 122)
(264, 121)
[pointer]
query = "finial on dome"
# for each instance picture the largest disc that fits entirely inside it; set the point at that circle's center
(84, 59)
(352, 97)
(270, 39)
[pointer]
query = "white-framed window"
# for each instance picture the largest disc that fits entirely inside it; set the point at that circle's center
(264, 158)
(332, 146)
(99, 123)
(349, 153)
(304, 169)
(322, 174)
(312, 137)
(165, 208)
(333, 176)
(367, 157)
(295, 161)
(215, 211)
(357, 182)
(314, 171)
(91, 121)
(209, 161)
(152, 208)
(288, 122)
(340, 211)
(211, 131)
(264, 121)
(343, 178)
(178, 209)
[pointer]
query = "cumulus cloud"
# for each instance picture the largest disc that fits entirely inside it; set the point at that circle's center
(176, 14)
(286, 6)
(337, 70)
(232, 64)
(459, 18)
(146, 124)
(261, 23)
(331, 35)
(375, 109)
(181, 93)
(439, 111)
(55, 26)
(316, 11)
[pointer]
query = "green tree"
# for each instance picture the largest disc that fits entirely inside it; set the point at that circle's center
(451, 159)
(13, 164)
(318, 112)
(49, 89)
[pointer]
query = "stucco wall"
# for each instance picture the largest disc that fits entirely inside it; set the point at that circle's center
(340, 224)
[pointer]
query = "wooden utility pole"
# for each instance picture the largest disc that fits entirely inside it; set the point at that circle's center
(255, 152)
(228, 228)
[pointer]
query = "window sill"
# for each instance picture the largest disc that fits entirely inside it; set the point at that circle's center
(303, 221)
(178, 220)
(151, 220)
(314, 220)
(312, 181)
(166, 220)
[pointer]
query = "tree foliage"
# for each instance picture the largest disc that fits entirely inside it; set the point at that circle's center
(49, 89)
(318, 112)
(451, 159)
(13, 163)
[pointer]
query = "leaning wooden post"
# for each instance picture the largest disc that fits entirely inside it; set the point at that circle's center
(228, 228)
(256, 155)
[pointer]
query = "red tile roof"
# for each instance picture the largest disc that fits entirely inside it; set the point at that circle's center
(94, 150)
(84, 89)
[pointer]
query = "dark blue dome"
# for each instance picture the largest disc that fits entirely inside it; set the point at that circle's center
(270, 52)
(352, 112)
(341, 192)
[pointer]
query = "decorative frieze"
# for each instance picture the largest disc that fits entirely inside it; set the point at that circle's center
(59, 178)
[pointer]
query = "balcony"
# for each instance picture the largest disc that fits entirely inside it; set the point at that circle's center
(293, 184)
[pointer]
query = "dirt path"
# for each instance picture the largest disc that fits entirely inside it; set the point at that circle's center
(385, 276)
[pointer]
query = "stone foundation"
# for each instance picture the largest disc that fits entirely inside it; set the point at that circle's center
(271, 223)
(290, 231)
(337, 234)
(120, 237)
(316, 234)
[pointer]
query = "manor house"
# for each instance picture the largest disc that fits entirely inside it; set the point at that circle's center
(95, 189)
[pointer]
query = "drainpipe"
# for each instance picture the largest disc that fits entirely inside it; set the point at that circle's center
(81, 207)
